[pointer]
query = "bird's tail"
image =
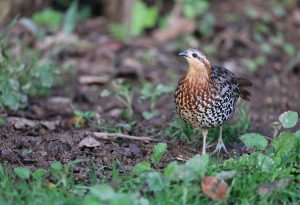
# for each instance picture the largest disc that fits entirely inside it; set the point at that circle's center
(243, 85)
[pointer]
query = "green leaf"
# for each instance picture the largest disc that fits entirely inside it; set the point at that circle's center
(121, 199)
(289, 49)
(284, 143)
(22, 172)
(142, 17)
(71, 18)
(266, 47)
(46, 74)
(288, 119)
(49, 17)
(265, 162)
(169, 170)
(206, 25)
(10, 95)
(297, 136)
(103, 192)
(117, 31)
(2, 120)
(251, 65)
(254, 140)
(184, 173)
(148, 115)
(141, 167)
(162, 89)
(152, 15)
(39, 173)
(198, 164)
(56, 166)
(195, 8)
(158, 151)
(154, 181)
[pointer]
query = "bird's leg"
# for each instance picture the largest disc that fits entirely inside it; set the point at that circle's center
(220, 143)
(204, 132)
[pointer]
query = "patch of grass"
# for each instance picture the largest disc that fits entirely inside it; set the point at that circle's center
(117, 31)
(123, 91)
(2, 121)
(268, 175)
(150, 92)
(24, 75)
(53, 19)
(254, 64)
(179, 128)
(206, 25)
(193, 9)
(49, 17)
(25, 186)
(81, 118)
(142, 18)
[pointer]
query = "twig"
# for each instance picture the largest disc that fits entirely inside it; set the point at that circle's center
(107, 136)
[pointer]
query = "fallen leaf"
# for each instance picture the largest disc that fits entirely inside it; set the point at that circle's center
(130, 67)
(51, 185)
(59, 104)
(57, 39)
(50, 125)
(264, 189)
(91, 79)
(214, 188)
(226, 175)
(88, 26)
(89, 142)
(22, 123)
(177, 26)
(60, 100)
(296, 17)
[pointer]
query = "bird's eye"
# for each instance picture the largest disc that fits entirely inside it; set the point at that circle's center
(194, 55)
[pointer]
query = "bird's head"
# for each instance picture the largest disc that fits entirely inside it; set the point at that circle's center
(196, 59)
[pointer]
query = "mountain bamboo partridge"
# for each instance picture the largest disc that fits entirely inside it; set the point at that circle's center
(206, 96)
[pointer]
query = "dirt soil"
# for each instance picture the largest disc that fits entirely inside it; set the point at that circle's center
(44, 132)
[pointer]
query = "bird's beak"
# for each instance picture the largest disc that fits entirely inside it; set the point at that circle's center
(184, 54)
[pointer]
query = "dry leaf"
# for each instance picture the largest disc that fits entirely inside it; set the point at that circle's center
(22, 123)
(51, 185)
(50, 125)
(89, 142)
(59, 104)
(214, 188)
(226, 175)
(90, 79)
(177, 27)
(264, 189)
(60, 100)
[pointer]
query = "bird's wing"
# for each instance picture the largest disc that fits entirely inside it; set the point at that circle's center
(224, 81)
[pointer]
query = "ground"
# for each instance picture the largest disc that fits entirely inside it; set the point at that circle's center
(50, 134)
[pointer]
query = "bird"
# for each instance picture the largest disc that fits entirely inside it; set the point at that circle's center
(206, 96)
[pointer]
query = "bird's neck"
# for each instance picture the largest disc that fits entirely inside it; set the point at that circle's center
(199, 74)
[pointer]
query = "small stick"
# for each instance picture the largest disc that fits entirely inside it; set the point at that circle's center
(107, 136)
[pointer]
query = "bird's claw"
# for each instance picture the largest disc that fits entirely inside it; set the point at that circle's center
(219, 146)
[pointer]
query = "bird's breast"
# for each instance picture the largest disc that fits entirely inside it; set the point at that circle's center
(201, 105)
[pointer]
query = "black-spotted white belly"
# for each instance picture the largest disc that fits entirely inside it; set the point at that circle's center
(209, 113)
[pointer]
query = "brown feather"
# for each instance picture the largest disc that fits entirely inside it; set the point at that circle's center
(243, 85)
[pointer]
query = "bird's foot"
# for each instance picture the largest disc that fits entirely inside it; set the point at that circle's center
(220, 146)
